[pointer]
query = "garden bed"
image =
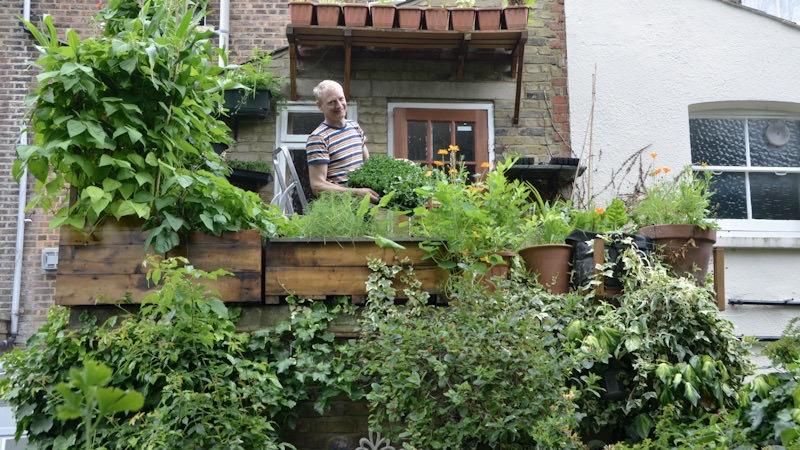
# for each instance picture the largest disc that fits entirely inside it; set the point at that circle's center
(317, 268)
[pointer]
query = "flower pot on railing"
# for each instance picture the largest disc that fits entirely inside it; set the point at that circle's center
(437, 19)
(550, 264)
(409, 18)
(382, 15)
(243, 103)
(463, 19)
(355, 14)
(516, 17)
(687, 248)
(301, 12)
(488, 19)
(328, 15)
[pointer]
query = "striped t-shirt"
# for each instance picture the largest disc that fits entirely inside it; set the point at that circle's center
(339, 148)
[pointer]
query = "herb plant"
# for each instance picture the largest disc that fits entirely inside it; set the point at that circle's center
(256, 74)
(255, 166)
(384, 174)
(601, 220)
(683, 200)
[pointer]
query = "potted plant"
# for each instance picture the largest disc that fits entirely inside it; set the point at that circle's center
(328, 12)
(384, 174)
(249, 175)
(254, 86)
(301, 12)
(515, 14)
(488, 19)
(383, 14)
(675, 214)
(545, 253)
(463, 15)
(355, 14)
(437, 18)
(409, 17)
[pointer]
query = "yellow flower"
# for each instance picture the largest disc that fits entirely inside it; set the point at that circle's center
(453, 171)
(453, 148)
(438, 163)
(599, 210)
(666, 170)
(441, 151)
(485, 165)
(428, 173)
(653, 155)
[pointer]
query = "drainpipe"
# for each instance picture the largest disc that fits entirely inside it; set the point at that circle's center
(15, 294)
(224, 30)
(26, 10)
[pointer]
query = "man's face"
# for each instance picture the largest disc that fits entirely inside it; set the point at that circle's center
(333, 105)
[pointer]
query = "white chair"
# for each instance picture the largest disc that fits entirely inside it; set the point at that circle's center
(287, 183)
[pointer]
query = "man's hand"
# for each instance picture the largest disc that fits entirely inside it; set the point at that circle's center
(373, 196)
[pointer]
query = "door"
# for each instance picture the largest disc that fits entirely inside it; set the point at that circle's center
(419, 133)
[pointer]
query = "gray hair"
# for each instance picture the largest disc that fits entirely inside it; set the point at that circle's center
(324, 86)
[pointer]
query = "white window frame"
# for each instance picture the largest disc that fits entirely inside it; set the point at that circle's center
(753, 229)
(298, 141)
(488, 107)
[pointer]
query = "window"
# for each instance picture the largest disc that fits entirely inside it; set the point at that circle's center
(299, 119)
(755, 159)
(418, 132)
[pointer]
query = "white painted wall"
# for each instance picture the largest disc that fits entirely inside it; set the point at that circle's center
(654, 58)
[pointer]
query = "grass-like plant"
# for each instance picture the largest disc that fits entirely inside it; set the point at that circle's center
(254, 166)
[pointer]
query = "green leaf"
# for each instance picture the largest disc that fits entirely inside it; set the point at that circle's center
(691, 393)
(143, 178)
(133, 134)
(97, 132)
(129, 64)
(151, 159)
(75, 127)
(92, 192)
(113, 400)
(218, 308)
(111, 185)
(38, 167)
(207, 221)
(174, 222)
(383, 242)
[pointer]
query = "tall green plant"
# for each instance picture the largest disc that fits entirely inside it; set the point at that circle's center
(126, 120)
(683, 200)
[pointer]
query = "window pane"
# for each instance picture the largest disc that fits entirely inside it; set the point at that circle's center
(763, 153)
(717, 142)
(729, 200)
(775, 197)
(417, 140)
(465, 139)
(441, 136)
(303, 122)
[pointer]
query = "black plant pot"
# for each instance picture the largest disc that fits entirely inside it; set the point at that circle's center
(249, 180)
(241, 103)
(219, 147)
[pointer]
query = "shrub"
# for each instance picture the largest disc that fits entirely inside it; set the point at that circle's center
(384, 174)
(683, 200)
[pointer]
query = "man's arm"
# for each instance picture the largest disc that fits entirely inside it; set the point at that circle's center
(318, 177)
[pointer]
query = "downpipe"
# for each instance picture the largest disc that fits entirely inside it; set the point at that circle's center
(18, 252)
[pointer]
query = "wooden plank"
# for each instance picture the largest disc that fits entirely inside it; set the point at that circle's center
(125, 231)
(279, 253)
(719, 277)
(101, 259)
(233, 257)
(313, 281)
(73, 289)
(599, 257)
(243, 287)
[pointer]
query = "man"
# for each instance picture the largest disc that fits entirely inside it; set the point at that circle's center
(337, 146)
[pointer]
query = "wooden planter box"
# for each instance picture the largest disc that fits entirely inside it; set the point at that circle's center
(315, 268)
(107, 266)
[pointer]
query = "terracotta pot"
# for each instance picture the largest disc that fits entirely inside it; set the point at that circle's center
(328, 15)
(463, 19)
(301, 12)
(499, 270)
(409, 18)
(687, 248)
(437, 19)
(516, 17)
(550, 263)
(489, 19)
(382, 16)
(355, 14)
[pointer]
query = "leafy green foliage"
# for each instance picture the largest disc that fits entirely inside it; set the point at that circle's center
(487, 372)
(255, 166)
(256, 74)
(384, 174)
(343, 215)
(684, 200)
(549, 224)
(127, 119)
(94, 400)
(601, 220)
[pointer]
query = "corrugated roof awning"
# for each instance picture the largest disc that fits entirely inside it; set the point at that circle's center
(510, 42)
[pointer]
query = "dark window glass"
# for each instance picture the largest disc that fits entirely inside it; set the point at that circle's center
(465, 139)
(729, 198)
(441, 136)
(775, 197)
(764, 133)
(717, 142)
(303, 122)
(417, 140)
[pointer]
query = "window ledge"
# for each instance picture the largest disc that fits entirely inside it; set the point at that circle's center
(758, 239)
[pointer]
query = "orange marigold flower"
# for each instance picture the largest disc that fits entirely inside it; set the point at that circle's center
(666, 170)
(438, 163)
(441, 151)
(655, 172)
(485, 165)
(653, 155)
(599, 210)
(453, 148)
